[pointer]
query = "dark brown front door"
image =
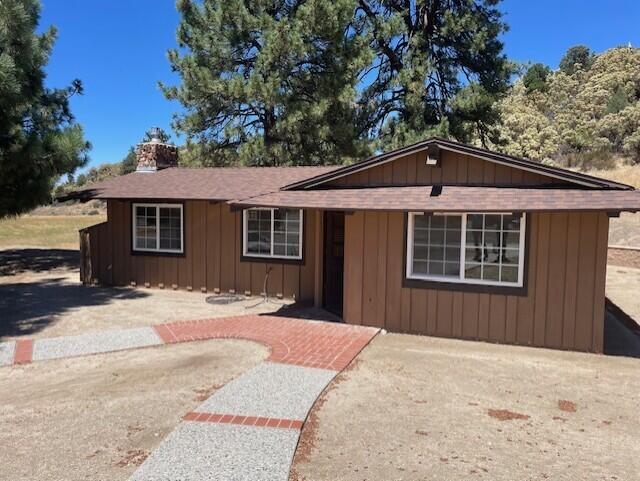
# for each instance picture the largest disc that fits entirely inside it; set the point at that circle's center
(333, 261)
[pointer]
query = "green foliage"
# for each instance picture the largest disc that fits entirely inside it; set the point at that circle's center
(579, 57)
(313, 82)
(269, 83)
(129, 163)
(39, 138)
(438, 65)
(535, 80)
(585, 119)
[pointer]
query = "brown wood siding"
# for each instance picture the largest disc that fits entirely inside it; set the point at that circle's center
(212, 259)
(563, 306)
(455, 168)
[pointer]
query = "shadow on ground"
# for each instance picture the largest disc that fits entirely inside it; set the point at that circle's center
(621, 333)
(18, 261)
(304, 311)
(29, 307)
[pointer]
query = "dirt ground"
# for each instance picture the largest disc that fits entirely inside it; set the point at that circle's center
(98, 417)
(40, 296)
(623, 285)
(418, 408)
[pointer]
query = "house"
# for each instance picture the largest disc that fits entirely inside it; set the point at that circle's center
(436, 238)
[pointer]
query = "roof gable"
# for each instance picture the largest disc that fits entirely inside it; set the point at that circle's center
(530, 169)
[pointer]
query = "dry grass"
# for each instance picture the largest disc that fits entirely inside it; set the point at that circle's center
(624, 173)
(45, 231)
(624, 231)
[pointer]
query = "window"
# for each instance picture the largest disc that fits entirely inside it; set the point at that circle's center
(466, 248)
(273, 233)
(157, 228)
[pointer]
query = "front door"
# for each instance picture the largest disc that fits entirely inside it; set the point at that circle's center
(333, 261)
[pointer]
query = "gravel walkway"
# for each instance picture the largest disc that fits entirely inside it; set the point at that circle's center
(94, 343)
(206, 451)
(249, 429)
(272, 391)
(7, 351)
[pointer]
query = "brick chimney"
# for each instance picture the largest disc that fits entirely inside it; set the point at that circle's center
(155, 155)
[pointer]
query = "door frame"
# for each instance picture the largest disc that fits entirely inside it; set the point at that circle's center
(325, 258)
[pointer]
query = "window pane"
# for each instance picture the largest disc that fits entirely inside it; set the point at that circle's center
(492, 222)
(421, 253)
(511, 222)
(436, 253)
(452, 268)
(473, 271)
(492, 251)
(285, 230)
(170, 228)
(491, 272)
(510, 256)
(436, 239)
(509, 274)
(475, 221)
(420, 267)
(511, 240)
(435, 268)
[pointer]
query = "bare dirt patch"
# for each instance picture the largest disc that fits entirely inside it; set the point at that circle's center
(99, 417)
(371, 427)
(505, 415)
(567, 406)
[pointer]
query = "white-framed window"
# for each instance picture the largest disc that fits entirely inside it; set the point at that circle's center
(478, 248)
(158, 228)
(272, 233)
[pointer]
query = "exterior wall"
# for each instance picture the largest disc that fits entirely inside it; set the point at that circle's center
(211, 262)
(455, 169)
(563, 306)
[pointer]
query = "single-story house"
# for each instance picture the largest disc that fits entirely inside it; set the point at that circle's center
(437, 238)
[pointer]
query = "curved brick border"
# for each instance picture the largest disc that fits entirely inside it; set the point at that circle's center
(323, 345)
(224, 435)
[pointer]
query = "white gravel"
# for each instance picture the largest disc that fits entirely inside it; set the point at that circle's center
(198, 451)
(7, 351)
(94, 342)
(270, 390)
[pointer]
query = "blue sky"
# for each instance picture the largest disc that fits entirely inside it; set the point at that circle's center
(118, 49)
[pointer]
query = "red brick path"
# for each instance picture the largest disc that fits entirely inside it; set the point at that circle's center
(24, 351)
(305, 343)
(244, 420)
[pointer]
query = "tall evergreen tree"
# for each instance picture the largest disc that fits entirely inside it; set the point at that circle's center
(428, 52)
(269, 82)
(579, 56)
(39, 139)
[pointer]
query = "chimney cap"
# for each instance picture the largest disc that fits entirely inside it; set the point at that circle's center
(154, 133)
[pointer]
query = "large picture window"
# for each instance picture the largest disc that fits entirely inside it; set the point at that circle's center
(158, 228)
(273, 233)
(466, 248)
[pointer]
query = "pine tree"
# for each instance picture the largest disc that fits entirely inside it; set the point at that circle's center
(269, 83)
(428, 52)
(39, 139)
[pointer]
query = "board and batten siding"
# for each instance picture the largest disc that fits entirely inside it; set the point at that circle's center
(454, 168)
(211, 260)
(563, 306)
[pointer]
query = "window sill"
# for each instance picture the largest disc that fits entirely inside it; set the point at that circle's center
(464, 287)
(135, 252)
(272, 260)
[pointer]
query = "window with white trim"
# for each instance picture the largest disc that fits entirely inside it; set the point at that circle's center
(273, 233)
(158, 228)
(482, 248)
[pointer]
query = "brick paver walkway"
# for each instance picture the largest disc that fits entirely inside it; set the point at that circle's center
(248, 429)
